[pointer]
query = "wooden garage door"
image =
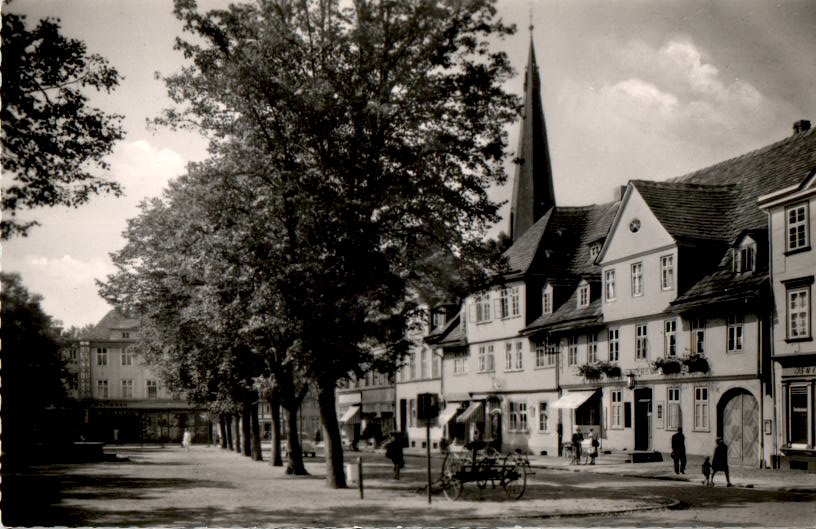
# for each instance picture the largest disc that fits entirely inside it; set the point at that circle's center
(741, 429)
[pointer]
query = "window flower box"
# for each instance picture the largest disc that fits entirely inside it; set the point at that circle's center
(696, 363)
(611, 370)
(590, 371)
(668, 366)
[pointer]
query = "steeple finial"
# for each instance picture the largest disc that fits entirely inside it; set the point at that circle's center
(531, 19)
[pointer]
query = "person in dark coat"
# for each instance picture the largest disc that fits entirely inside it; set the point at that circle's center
(393, 451)
(720, 462)
(678, 443)
(577, 437)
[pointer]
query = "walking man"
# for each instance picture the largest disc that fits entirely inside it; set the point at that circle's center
(720, 461)
(678, 443)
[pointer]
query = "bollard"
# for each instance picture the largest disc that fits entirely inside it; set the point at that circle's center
(360, 475)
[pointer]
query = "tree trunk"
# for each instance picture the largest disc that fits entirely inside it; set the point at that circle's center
(274, 406)
(255, 433)
(222, 427)
(236, 432)
(294, 454)
(246, 428)
(335, 476)
(228, 423)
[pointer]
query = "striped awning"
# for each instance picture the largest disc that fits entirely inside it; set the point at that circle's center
(352, 416)
(447, 414)
(572, 400)
(474, 412)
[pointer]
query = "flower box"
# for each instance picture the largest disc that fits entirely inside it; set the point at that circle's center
(668, 366)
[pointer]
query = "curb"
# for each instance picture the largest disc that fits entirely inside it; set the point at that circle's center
(668, 503)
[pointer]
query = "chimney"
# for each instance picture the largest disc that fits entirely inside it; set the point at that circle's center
(803, 125)
(619, 192)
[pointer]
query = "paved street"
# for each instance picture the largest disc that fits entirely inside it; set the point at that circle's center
(212, 487)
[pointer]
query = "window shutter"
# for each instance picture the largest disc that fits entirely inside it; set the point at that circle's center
(497, 306)
(472, 312)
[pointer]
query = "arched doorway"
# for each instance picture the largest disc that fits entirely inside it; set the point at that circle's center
(738, 425)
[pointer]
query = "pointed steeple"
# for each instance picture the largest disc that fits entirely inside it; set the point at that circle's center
(533, 192)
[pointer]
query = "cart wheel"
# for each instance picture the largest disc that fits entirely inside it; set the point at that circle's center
(451, 470)
(514, 477)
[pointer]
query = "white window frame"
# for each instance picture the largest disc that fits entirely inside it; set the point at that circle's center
(514, 303)
(667, 272)
(546, 300)
(735, 332)
(508, 356)
(609, 286)
(518, 416)
(637, 279)
(670, 338)
(616, 409)
(698, 328)
(519, 356)
(151, 384)
(744, 259)
(583, 296)
(459, 362)
(797, 230)
(483, 308)
(127, 389)
(799, 389)
(572, 350)
(660, 414)
(412, 365)
(543, 418)
(613, 340)
(127, 357)
(423, 363)
(551, 353)
(674, 413)
(594, 251)
(102, 356)
(798, 308)
(702, 420)
(641, 341)
(592, 348)
(540, 350)
(102, 389)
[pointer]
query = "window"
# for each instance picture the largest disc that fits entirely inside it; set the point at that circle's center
(460, 362)
(423, 363)
(667, 272)
(515, 302)
(519, 355)
(583, 296)
(435, 365)
(592, 348)
(698, 336)
(637, 279)
(486, 358)
(101, 356)
(540, 353)
(659, 415)
(798, 412)
(125, 334)
(701, 408)
(546, 300)
(127, 357)
(594, 251)
(508, 304)
(572, 350)
(743, 259)
(412, 412)
(101, 389)
(543, 418)
(482, 308)
(609, 285)
(641, 341)
(670, 338)
(518, 416)
(552, 352)
(799, 312)
(797, 227)
(735, 333)
(412, 365)
(152, 389)
(614, 346)
(674, 408)
(617, 409)
(127, 389)
(508, 356)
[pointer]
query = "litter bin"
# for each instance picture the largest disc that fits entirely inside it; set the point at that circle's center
(352, 475)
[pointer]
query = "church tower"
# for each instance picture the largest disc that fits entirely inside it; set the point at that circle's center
(533, 192)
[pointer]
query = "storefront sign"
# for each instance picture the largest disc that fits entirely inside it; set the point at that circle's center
(798, 371)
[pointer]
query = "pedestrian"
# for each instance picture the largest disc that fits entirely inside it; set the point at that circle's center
(707, 472)
(393, 451)
(185, 439)
(678, 444)
(720, 462)
(577, 437)
(594, 444)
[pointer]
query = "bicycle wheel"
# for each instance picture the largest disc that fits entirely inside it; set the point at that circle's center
(514, 476)
(451, 477)
(483, 469)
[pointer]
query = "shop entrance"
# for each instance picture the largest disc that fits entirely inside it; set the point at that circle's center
(738, 425)
(643, 418)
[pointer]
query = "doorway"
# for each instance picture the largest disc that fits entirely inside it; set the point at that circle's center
(643, 418)
(738, 425)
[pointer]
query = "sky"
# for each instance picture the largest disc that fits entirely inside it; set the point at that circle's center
(631, 90)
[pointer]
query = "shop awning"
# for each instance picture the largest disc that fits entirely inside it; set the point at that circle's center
(572, 400)
(447, 414)
(352, 415)
(473, 412)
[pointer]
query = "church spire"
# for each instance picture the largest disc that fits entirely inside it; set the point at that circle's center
(533, 192)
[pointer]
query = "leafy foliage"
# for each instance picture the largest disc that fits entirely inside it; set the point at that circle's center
(51, 137)
(668, 366)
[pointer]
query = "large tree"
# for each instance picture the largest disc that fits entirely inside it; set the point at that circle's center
(54, 141)
(378, 127)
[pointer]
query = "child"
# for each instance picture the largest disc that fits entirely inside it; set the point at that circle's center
(707, 472)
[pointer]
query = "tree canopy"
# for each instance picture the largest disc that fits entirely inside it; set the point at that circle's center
(54, 142)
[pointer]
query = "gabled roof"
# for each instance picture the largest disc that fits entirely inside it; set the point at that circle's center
(568, 313)
(443, 330)
(113, 320)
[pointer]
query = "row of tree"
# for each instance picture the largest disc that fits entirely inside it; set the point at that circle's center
(351, 148)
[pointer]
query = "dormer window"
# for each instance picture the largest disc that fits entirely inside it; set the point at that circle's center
(594, 251)
(744, 257)
(583, 296)
(546, 300)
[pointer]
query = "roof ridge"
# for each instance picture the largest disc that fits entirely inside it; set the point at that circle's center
(693, 185)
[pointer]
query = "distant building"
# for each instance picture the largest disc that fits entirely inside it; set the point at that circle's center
(125, 401)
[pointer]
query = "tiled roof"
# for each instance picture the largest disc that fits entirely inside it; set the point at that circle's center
(113, 320)
(521, 254)
(568, 312)
(722, 286)
(443, 330)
